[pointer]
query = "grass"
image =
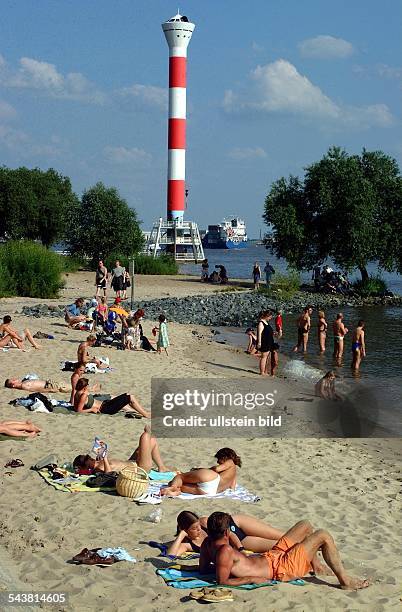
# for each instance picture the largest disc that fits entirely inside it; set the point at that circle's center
(372, 287)
(282, 285)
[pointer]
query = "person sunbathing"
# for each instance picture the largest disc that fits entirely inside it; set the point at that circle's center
(84, 401)
(19, 429)
(145, 455)
(290, 558)
(245, 532)
(79, 371)
(83, 353)
(37, 385)
(16, 339)
(207, 481)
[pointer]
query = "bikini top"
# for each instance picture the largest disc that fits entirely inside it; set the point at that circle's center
(90, 401)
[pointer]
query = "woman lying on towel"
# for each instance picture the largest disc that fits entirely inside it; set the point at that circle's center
(207, 481)
(145, 455)
(19, 429)
(246, 532)
(84, 401)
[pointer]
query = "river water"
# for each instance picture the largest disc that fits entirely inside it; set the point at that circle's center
(380, 371)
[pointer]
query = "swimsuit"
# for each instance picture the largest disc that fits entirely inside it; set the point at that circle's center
(210, 487)
(110, 406)
(55, 385)
(267, 337)
(356, 346)
(287, 560)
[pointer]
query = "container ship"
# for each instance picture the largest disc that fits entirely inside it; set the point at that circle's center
(230, 234)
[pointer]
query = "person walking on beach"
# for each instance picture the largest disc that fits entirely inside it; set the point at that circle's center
(101, 279)
(303, 329)
(265, 341)
(340, 332)
(256, 275)
(358, 345)
(126, 283)
(322, 331)
(117, 281)
(269, 271)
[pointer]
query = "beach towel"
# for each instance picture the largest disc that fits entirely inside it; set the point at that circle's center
(164, 548)
(74, 484)
(240, 493)
(90, 368)
(182, 577)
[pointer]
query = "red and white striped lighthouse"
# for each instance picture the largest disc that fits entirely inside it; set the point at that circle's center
(178, 31)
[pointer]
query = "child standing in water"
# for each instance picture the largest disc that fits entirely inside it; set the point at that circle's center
(163, 338)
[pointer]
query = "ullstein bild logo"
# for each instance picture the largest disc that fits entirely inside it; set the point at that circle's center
(229, 408)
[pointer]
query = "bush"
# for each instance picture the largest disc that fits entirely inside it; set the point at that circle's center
(144, 264)
(284, 284)
(373, 286)
(71, 263)
(29, 269)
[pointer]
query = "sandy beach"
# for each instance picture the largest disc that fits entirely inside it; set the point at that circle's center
(352, 488)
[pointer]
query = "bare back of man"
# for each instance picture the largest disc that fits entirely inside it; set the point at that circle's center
(291, 557)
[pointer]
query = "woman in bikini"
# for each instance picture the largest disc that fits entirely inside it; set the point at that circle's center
(322, 331)
(84, 401)
(207, 481)
(246, 532)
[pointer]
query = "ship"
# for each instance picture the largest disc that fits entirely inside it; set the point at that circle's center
(229, 234)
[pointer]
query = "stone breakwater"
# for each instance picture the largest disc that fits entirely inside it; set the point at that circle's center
(227, 308)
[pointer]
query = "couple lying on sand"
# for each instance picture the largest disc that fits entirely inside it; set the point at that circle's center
(222, 538)
(293, 556)
(200, 481)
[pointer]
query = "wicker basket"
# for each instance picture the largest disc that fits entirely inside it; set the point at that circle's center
(132, 482)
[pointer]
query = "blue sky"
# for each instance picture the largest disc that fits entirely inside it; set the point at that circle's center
(271, 85)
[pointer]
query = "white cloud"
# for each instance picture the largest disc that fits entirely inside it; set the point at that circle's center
(35, 74)
(279, 88)
(20, 143)
(247, 153)
(325, 47)
(123, 155)
(146, 94)
(7, 111)
(389, 72)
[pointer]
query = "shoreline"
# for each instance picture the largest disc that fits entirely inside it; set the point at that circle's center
(350, 487)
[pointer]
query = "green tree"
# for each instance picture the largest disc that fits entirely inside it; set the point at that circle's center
(103, 223)
(348, 208)
(34, 204)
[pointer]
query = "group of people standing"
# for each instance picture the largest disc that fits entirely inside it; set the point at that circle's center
(263, 342)
(119, 278)
(339, 332)
(257, 274)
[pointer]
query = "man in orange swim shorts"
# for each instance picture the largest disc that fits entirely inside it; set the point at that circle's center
(293, 556)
